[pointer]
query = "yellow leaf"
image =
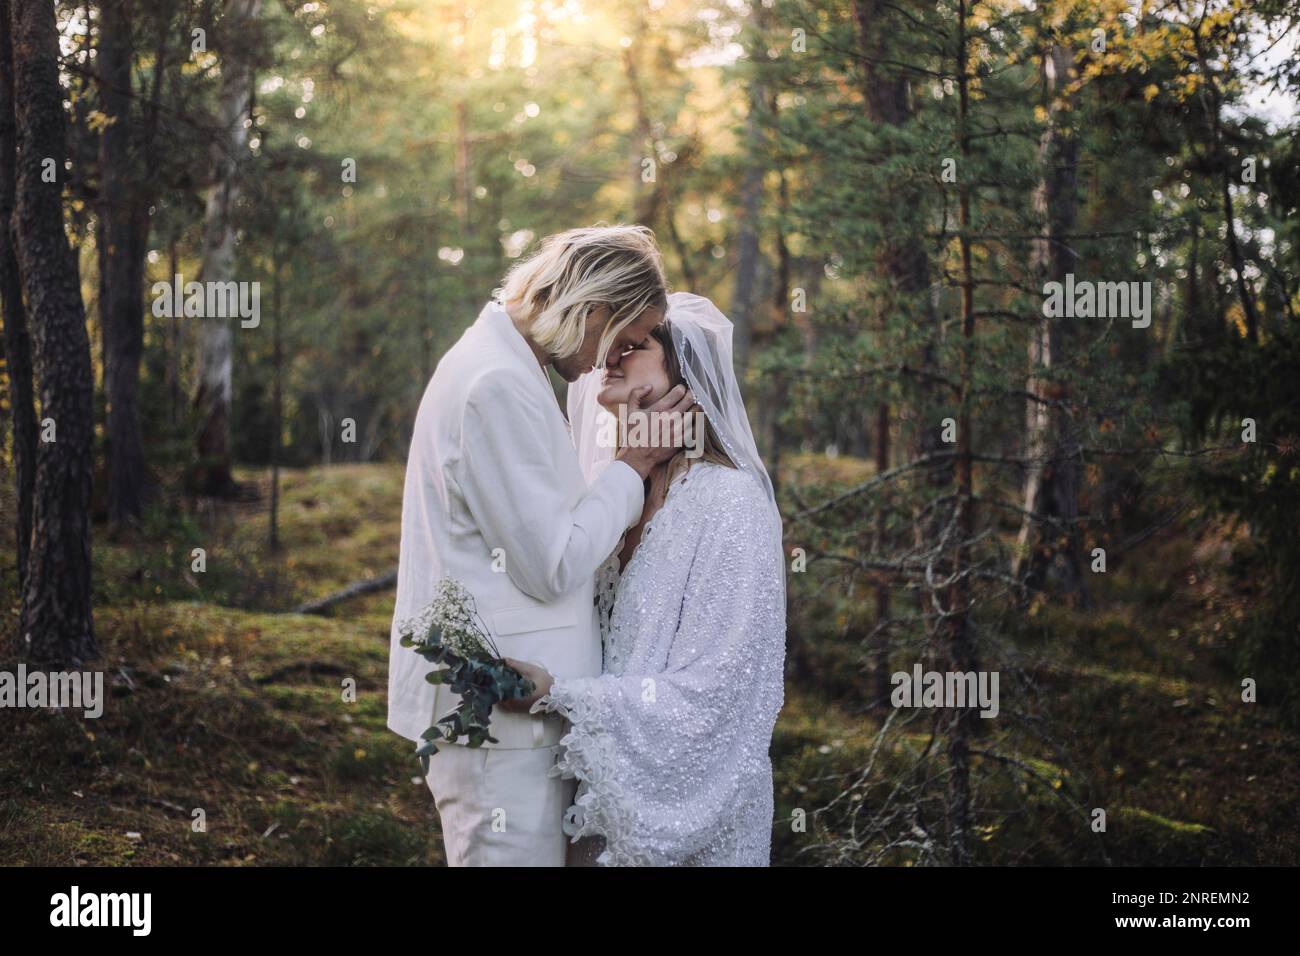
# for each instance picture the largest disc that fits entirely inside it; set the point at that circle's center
(98, 121)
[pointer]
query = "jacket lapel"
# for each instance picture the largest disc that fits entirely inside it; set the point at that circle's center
(497, 320)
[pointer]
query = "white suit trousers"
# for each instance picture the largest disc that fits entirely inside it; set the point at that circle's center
(498, 807)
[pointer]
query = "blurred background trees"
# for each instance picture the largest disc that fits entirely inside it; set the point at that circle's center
(876, 192)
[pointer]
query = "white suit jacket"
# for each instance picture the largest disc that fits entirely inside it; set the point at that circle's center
(492, 466)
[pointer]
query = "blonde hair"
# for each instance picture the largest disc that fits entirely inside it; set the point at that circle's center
(581, 269)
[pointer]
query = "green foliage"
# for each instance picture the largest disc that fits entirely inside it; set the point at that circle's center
(1257, 483)
(482, 681)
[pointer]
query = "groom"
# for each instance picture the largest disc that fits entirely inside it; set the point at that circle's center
(495, 498)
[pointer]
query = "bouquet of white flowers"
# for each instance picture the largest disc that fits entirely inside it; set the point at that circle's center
(451, 633)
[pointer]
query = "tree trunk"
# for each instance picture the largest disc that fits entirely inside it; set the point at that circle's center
(123, 237)
(277, 402)
(641, 201)
(213, 397)
(960, 639)
(745, 297)
(57, 616)
(774, 388)
(1223, 159)
(1053, 474)
(464, 161)
(883, 679)
(902, 267)
(175, 348)
(17, 342)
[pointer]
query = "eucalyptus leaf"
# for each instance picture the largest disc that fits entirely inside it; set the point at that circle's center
(481, 679)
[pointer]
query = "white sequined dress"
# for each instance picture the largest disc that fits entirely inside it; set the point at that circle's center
(670, 744)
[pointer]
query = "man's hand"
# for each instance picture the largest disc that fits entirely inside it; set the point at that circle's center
(677, 403)
(542, 682)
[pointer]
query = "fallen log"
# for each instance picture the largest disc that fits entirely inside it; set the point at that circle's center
(355, 589)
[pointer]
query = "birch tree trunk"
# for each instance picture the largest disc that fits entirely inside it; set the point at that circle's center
(1053, 474)
(213, 396)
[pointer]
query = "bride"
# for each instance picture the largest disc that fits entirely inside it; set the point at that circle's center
(670, 743)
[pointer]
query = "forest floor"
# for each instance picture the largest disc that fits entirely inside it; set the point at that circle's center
(226, 709)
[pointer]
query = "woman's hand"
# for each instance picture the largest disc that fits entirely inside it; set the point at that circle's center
(542, 682)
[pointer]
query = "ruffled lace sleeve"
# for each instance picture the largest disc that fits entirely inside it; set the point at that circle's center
(589, 753)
